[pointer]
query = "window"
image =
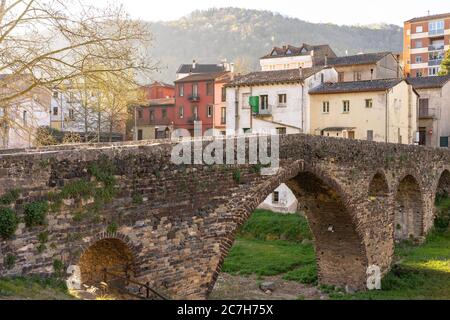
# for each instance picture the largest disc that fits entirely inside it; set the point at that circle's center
(419, 59)
(419, 29)
(346, 106)
(341, 76)
(140, 114)
(357, 76)
(24, 118)
(281, 131)
(282, 99)
(140, 135)
(209, 88)
(164, 114)
(276, 197)
(181, 90)
(181, 112)
(195, 112)
(326, 107)
(436, 27)
(55, 111)
(224, 94)
(152, 115)
(264, 102)
(369, 135)
(71, 115)
(419, 74)
(209, 111)
(55, 94)
(195, 90)
(223, 115)
(434, 71)
(419, 44)
(369, 103)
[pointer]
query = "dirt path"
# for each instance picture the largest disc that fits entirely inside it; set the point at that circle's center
(229, 287)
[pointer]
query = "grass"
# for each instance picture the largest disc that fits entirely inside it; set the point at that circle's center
(33, 288)
(269, 244)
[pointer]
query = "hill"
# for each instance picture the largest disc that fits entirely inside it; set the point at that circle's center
(245, 35)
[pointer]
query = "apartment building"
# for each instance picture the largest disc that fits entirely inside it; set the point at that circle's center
(291, 57)
(378, 110)
(276, 100)
(426, 39)
(434, 110)
(194, 68)
(369, 66)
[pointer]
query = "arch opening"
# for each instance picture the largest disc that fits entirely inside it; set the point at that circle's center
(408, 221)
(443, 188)
(112, 255)
(340, 255)
(378, 186)
(442, 202)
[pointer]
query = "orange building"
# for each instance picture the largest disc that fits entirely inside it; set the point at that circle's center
(159, 90)
(426, 39)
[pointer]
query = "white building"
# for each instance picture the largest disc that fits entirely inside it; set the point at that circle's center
(282, 97)
(282, 200)
(290, 57)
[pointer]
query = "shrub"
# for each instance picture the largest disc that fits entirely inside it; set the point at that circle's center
(35, 214)
(137, 198)
(72, 137)
(237, 176)
(8, 223)
(10, 197)
(112, 228)
(10, 261)
(44, 137)
(58, 267)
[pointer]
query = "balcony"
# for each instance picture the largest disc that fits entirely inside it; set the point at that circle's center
(194, 119)
(434, 33)
(264, 111)
(427, 113)
(194, 98)
(436, 62)
(436, 48)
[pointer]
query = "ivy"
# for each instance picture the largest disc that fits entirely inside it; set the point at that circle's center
(8, 223)
(35, 214)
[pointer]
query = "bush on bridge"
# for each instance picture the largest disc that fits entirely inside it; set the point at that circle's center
(35, 213)
(8, 223)
(10, 197)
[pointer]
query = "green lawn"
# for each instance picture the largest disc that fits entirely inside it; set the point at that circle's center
(271, 244)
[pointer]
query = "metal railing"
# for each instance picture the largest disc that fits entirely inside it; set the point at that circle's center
(435, 48)
(438, 32)
(194, 98)
(435, 62)
(144, 289)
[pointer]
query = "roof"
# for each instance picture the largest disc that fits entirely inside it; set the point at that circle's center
(159, 84)
(203, 77)
(161, 102)
(368, 58)
(430, 17)
(428, 82)
(201, 68)
(277, 76)
(355, 86)
(304, 50)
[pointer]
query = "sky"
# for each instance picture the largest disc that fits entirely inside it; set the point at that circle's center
(348, 12)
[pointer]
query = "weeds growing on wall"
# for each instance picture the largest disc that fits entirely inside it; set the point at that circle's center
(8, 223)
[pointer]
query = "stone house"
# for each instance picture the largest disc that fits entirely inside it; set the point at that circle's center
(434, 110)
(370, 66)
(282, 200)
(378, 110)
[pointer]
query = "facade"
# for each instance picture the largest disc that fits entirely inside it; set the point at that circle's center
(378, 110)
(186, 70)
(22, 116)
(434, 110)
(197, 100)
(290, 57)
(425, 41)
(155, 120)
(283, 100)
(370, 66)
(282, 200)
(158, 90)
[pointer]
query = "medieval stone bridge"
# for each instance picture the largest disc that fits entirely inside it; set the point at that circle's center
(109, 205)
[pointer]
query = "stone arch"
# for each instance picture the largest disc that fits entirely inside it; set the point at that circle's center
(409, 210)
(113, 252)
(443, 184)
(378, 186)
(340, 253)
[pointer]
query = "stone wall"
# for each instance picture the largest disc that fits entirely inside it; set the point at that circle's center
(179, 222)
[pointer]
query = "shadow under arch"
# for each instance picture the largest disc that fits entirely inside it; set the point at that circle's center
(110, 252)
(408, 206)
(378, 186)
(443, 185)
(340, 253)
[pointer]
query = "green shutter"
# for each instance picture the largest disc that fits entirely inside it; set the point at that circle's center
(444, 142)
(254, 104)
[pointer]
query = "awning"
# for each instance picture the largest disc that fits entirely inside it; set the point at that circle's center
(338, 129)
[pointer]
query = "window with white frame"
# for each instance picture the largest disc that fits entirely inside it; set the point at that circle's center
(369, 103)
(419, 29)
(326, 107)
(282, 100)
(346, 106)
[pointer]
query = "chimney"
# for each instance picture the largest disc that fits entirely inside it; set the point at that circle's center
(371, 74)
(231, 67)
(300, 72)
(326, 60)
(194, 65)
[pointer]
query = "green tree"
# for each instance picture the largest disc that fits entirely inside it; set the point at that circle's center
(445, 66)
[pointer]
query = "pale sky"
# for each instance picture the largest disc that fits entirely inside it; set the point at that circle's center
(340, 12)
